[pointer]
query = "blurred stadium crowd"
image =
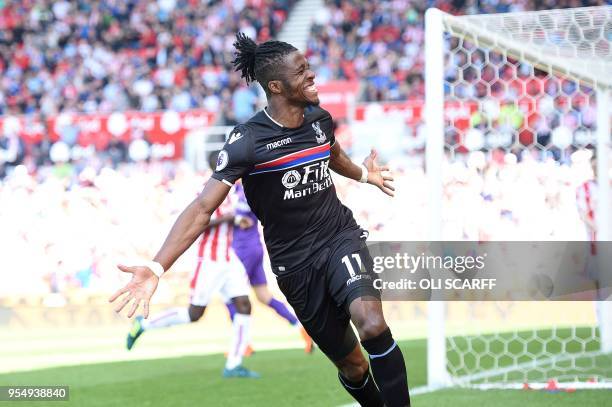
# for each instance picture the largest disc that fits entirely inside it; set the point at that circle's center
(64, 231)
(107, 56)
(114, 55)
(61, 217)
(149, 55)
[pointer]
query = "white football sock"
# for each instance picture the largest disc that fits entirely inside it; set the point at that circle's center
(172, 316)
(240, 340)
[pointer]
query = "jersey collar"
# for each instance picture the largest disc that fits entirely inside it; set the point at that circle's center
(265, 110)
(270, 117)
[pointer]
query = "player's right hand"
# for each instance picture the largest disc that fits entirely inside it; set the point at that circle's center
(140, 288)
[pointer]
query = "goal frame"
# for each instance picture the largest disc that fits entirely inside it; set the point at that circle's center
(436, 24)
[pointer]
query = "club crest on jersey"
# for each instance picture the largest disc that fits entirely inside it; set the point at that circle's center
(291, 179)
(320, 133)
(222, 160)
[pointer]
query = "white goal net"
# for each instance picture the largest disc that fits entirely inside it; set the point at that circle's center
(517, 107)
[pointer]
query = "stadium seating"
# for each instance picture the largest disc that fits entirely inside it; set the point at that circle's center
(117, 55)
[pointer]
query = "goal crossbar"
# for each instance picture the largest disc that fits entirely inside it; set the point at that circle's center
(515, 34)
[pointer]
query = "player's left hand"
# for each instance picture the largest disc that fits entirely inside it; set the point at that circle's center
(140, 288)
(376, 176)
(244, 222)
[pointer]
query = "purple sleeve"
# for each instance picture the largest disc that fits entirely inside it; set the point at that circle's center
(242, 207)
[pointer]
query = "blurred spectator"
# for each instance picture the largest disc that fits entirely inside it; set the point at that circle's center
(244, 102)
(117, 151)
(41, 151)
(12, 152)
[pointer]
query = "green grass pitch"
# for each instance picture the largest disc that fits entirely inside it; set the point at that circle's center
(290, 378)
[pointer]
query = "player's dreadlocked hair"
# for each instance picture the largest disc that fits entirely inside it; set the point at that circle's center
(260, 62)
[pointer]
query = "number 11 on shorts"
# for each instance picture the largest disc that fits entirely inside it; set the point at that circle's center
(349, 267)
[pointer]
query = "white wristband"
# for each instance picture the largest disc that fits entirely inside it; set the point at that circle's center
(155, 267)
(364, 174)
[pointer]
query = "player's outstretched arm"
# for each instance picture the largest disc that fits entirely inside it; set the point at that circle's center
(190, 224)
(341, 163)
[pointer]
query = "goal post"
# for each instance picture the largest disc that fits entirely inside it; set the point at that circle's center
(521, 62)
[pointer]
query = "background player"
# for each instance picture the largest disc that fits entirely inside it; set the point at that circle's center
(249, 249)
(218, 270)
(586, 201)
(597, 258)
(316, 248)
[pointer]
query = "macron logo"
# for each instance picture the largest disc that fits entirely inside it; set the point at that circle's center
(280, 143)
(234, 137)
